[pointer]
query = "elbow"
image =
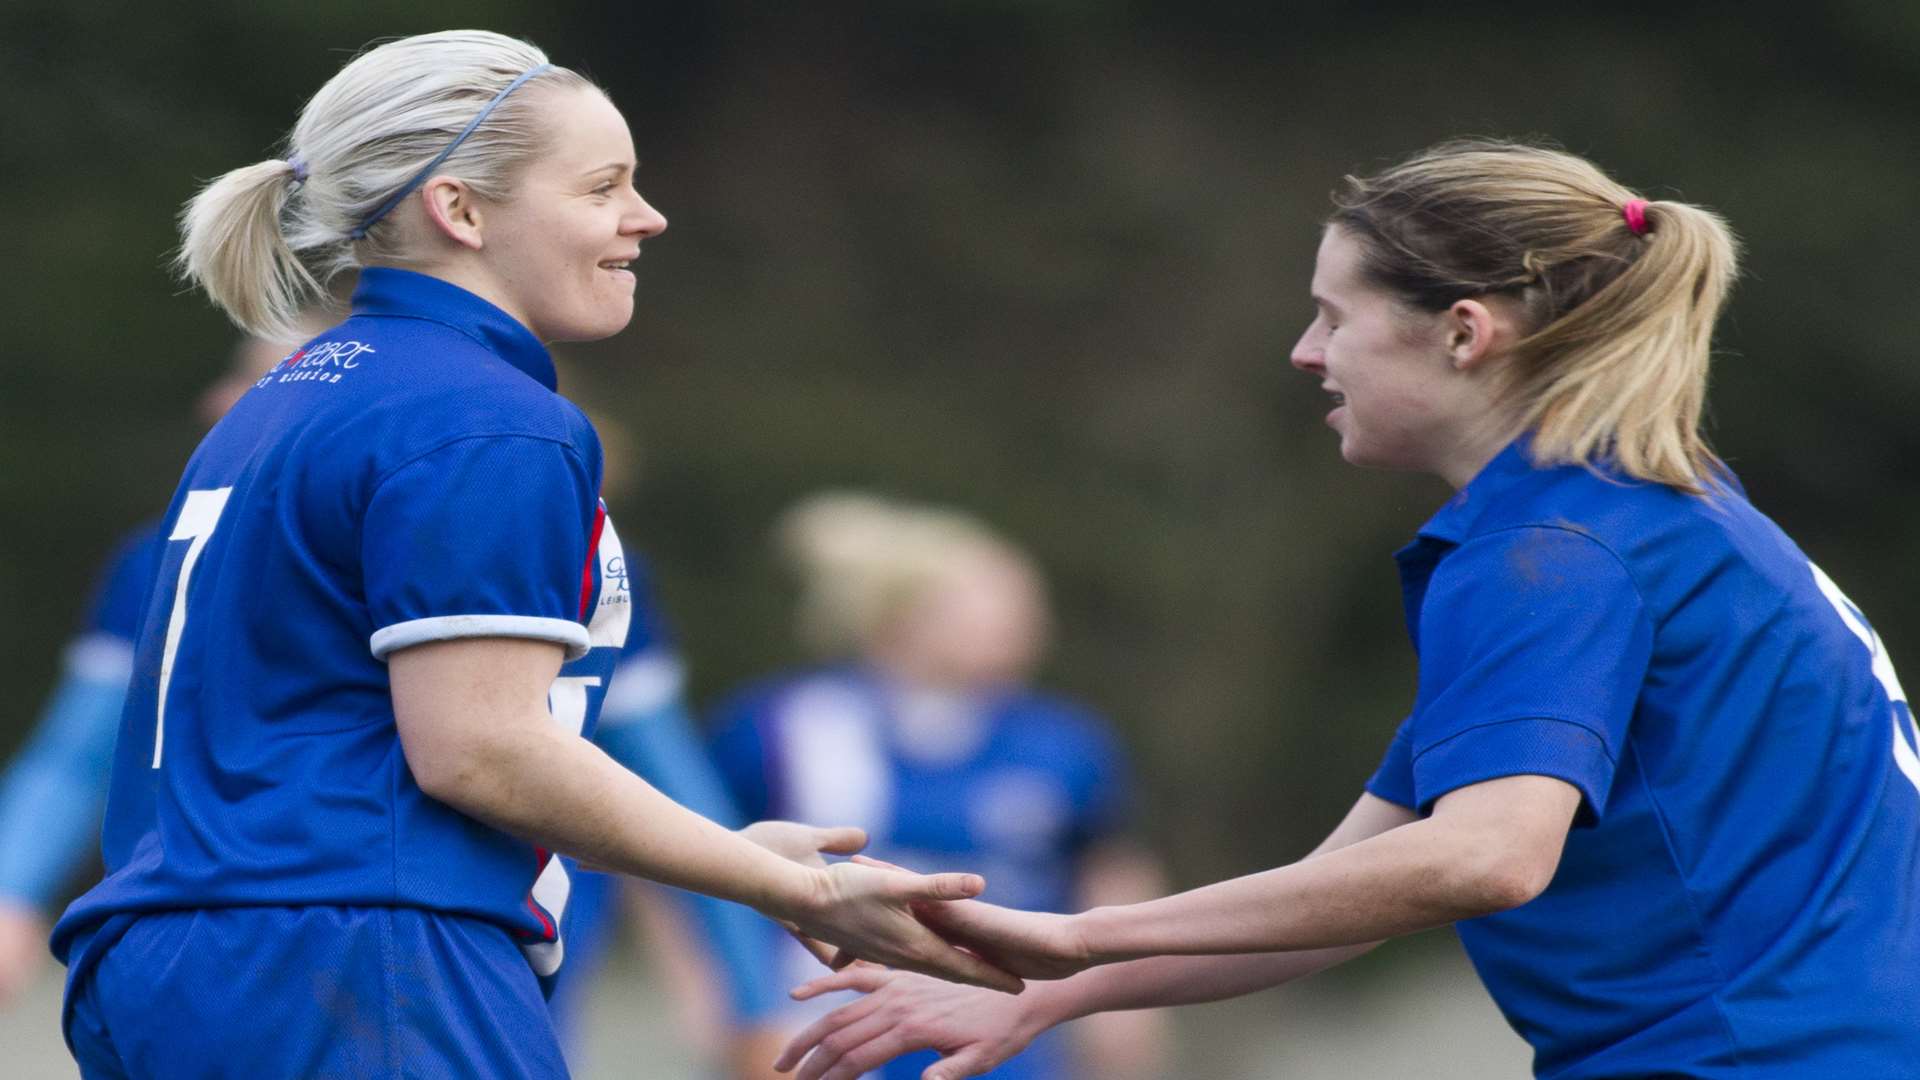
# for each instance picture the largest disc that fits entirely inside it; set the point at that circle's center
(1499, 880)
(1511, 883)
(447, 773)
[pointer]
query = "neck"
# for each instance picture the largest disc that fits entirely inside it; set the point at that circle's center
(1479, 442)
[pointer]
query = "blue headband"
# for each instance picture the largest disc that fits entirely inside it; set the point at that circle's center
(420, 177)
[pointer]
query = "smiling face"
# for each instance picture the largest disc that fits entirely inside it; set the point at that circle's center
(557, 250)
(1402, 399)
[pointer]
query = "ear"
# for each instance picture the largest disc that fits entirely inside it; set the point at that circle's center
(1476, 332)
(454, 210)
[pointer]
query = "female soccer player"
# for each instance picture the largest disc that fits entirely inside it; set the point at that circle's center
(1659, 770)
(922, 730)
(387, 613)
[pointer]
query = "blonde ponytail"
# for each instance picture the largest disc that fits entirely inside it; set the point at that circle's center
(1622, 293)
(232, 246)
(1623, 376)
(265, 244)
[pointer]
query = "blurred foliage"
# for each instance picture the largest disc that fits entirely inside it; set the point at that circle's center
(1041, 259)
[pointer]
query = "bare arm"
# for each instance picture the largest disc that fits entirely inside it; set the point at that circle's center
(477, 735)
(1132, 1044)
(1330, 899)
(1488, 847)
(1190, 980)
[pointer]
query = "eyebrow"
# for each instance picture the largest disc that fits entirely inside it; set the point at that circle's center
(1323, 302)
(615, 167)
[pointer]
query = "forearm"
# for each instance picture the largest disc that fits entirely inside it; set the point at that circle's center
(562, 792)
(1411, 878)
(1164, 981)
(50, 797)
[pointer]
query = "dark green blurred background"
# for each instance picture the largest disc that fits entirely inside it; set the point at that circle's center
(1043, 260)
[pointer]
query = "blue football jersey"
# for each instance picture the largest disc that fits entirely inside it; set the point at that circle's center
(408, 476)
(1013, 786)
(1740, 895)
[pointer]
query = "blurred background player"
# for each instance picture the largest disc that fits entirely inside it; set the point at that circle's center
(52, 795)
(921, 729)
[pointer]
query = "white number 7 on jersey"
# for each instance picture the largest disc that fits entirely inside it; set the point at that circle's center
(196, 523)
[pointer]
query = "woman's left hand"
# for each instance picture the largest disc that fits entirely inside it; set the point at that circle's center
(974, 1030)
(807, 845)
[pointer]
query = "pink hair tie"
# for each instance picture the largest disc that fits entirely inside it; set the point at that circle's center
(1635, 211)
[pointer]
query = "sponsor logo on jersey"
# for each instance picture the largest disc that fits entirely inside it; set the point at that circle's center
(323, 361)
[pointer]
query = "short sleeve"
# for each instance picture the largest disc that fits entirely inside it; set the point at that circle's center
(484, 537)
(1393, 780)
(1534, 645)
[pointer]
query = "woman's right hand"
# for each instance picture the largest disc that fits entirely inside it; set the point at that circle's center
(868, 912)
(1031, 944)
(900, 1013)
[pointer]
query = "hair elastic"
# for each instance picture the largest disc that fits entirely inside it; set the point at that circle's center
(299, 168)
(360, 230)
(1635, 211)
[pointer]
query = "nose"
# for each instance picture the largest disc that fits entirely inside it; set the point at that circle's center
(1310, 353)
(643, 220)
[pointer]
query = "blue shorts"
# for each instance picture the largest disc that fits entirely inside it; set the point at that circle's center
(263, 993)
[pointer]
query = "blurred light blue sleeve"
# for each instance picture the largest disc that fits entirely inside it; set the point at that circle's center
(645, 726)
(52, 794)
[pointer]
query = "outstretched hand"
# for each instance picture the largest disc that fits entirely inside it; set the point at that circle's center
(807, 845)
(868, 911)
(974, 1030)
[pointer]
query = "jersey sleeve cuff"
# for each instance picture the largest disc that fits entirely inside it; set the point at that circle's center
(1532, 746)
(402, 635)
(1391, 792)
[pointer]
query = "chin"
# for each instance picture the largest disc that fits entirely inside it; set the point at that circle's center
(600, 324)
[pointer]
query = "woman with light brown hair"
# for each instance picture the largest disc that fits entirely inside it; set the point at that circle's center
(1659, 772)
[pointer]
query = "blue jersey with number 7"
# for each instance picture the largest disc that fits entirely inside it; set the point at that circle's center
(409, 476)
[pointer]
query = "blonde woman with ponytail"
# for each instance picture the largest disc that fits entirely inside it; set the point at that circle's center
(388, 608)
(1659, 773)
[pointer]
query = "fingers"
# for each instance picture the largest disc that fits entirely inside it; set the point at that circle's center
(868, 860)
(842, 1052)
(840, 840)
(943, 961)
(798, 1046)
(822, 952)
(943, 887)
(972, 1061)
(865, 978)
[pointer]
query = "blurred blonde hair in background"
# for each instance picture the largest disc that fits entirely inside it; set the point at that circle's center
(862, 559)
